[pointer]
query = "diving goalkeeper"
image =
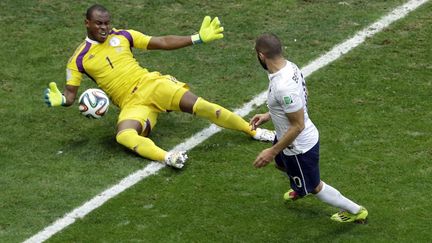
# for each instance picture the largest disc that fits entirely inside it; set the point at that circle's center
(106, 57)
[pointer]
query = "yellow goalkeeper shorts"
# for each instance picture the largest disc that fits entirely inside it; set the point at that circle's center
(153, 95)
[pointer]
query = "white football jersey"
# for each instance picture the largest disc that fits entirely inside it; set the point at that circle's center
(286, 94)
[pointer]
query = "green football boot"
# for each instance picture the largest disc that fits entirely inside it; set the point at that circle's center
(290, 195)
(346, 217)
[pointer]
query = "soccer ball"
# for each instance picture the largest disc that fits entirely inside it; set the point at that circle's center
(93, 103)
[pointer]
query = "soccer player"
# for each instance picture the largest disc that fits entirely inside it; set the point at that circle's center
(296, 148)
(106, 57)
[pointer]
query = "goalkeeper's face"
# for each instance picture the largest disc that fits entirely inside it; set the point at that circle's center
(98, 26)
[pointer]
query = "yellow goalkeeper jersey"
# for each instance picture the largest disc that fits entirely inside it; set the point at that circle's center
(110, 64)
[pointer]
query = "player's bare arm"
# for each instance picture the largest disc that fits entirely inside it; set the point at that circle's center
(169, 42)
(259, 119)
(70, 93)
(296, 120)
(210, 30)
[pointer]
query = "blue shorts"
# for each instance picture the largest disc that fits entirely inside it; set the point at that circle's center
(302, 169)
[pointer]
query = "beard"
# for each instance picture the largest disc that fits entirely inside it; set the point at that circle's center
(263, 64)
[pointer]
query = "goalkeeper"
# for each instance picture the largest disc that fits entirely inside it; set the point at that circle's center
(106, 57)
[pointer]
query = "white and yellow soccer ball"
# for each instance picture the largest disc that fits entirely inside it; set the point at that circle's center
(93, 103)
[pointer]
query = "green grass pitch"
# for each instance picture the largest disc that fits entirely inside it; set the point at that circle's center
(372, 107)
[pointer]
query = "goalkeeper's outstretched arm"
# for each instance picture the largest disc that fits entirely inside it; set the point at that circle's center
(210, 30)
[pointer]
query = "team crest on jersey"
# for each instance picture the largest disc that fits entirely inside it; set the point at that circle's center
(287, 100)
(114, 41)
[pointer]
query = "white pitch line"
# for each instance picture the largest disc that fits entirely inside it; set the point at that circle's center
(201, 136)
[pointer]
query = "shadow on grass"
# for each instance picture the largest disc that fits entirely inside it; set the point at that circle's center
(312, 214)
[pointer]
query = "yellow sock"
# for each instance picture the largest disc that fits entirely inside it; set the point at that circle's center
(221, 116)
(141, 145)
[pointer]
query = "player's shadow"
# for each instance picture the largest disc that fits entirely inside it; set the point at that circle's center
(92, 136)
(338, 232)
(305, 209)
(78, 142)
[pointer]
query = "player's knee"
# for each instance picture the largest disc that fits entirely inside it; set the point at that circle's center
(127, 138)
(187, 101)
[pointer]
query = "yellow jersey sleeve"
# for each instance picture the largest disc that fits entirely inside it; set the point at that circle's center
(140, 40)
(73, 74)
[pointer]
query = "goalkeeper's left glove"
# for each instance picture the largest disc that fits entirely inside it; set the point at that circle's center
(53, 97)
(210, 30)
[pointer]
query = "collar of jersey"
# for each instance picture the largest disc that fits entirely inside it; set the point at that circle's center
(92, 41)
(272, 75)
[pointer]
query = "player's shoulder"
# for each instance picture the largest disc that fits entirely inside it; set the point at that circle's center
(78, 50)
(124, 32)
(129, 34)
(284, 74)
(115, 31)
(292, 73)
(80, 46)
(285, 80)
(290, 67)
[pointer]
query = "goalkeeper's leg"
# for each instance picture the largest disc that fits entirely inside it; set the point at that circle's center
(221, 116)
(189, 102)
(143, 146)
(146, 148)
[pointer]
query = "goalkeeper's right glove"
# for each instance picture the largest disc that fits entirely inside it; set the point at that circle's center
(210, 30)
(53, 97)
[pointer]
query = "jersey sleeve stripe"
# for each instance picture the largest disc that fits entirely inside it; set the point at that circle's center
(125, 34)
(79, 60)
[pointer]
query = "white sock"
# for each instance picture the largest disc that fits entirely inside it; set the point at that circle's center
(330, 195)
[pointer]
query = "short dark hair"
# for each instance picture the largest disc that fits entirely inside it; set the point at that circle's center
(95, 7)
(269, 44)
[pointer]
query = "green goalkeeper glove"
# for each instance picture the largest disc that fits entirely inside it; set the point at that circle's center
(53, 97)
(210, 30)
